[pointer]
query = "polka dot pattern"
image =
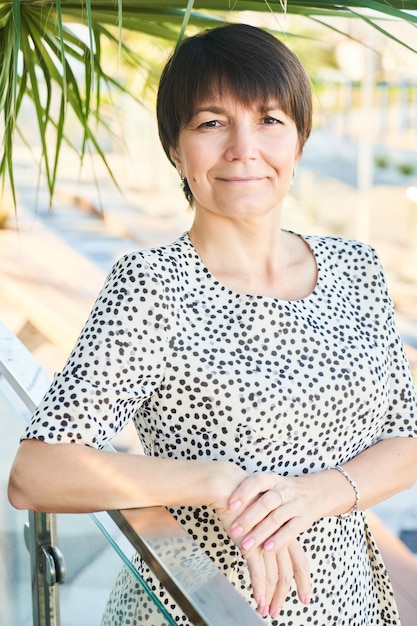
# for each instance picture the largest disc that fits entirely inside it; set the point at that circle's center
(287, 386)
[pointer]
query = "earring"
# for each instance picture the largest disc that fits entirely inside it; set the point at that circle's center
(183, 182)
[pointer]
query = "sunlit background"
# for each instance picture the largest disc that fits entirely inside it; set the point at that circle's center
(357, 179)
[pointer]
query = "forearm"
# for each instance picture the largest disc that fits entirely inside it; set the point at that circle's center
(74, 478)
(381, 471)
(272, 510)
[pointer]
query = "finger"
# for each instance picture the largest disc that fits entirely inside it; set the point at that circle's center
(280, 492)
(251, 487)
(301, 567)
(271, 579)
(261, 518)
(257, 573)
(285, 578)
(285, 535)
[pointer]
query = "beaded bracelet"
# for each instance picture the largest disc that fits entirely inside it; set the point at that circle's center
(355, 488)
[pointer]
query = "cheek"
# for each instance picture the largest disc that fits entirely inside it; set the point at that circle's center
(197, 168)
(289, 157)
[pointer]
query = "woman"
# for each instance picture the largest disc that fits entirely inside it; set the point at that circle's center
(259, 363)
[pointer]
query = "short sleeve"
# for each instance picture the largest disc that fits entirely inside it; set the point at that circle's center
(401, 417)
(116, 364)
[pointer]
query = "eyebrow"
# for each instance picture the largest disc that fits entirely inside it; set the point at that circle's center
(210, 108)
(213, 108)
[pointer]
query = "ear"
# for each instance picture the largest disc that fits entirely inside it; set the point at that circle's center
(175, 158)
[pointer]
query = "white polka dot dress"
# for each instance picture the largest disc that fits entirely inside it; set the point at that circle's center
(291, 387)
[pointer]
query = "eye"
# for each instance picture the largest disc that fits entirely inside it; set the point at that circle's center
(209, 124)
(271, 121)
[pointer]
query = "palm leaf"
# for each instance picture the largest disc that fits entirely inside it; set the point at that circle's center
(39, 32)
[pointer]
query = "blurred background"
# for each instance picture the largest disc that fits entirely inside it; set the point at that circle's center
(357, 179)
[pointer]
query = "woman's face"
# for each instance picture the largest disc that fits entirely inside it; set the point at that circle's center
(238, 160)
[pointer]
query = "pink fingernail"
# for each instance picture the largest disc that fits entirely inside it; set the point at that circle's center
(236, 531)
(234, 505)
(307, 599)
(261, 604)
(275, 612)
(269, 545)
(248, 543)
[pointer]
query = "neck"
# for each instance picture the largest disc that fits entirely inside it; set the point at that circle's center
(254, 256)
(245, 256)
(237, 243)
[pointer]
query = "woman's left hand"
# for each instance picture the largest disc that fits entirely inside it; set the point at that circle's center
(272, 511)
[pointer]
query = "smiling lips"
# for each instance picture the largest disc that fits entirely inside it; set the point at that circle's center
(241, 179)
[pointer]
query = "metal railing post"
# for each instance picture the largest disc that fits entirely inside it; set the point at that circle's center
(47, 568)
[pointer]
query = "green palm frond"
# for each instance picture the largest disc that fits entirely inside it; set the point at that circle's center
(42, 55)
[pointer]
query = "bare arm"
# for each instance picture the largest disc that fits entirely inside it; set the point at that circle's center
(388, 467)
(272, 511)
(74, 478)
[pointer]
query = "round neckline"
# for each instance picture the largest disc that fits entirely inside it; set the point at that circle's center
(242, 294)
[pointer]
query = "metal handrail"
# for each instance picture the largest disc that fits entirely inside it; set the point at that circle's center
(199, 588)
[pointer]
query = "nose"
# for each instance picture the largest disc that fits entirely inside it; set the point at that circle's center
(241, 142)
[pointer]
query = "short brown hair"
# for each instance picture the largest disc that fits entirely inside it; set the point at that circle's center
(243, 60)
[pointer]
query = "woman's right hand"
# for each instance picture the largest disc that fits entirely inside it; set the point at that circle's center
(272, 574)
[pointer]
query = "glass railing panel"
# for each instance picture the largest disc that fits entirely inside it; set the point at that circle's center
(93, 555)
(15, 580)
(199, 588)
(92, 561)
(92, 565)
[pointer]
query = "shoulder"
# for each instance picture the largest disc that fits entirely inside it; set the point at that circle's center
(340, 246)
(355, 264)
(155, 264)
(345, 254)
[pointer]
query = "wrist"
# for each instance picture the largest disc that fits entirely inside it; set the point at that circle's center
(328, 493)
(224, 477)
(340, 494)
(355, 490)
